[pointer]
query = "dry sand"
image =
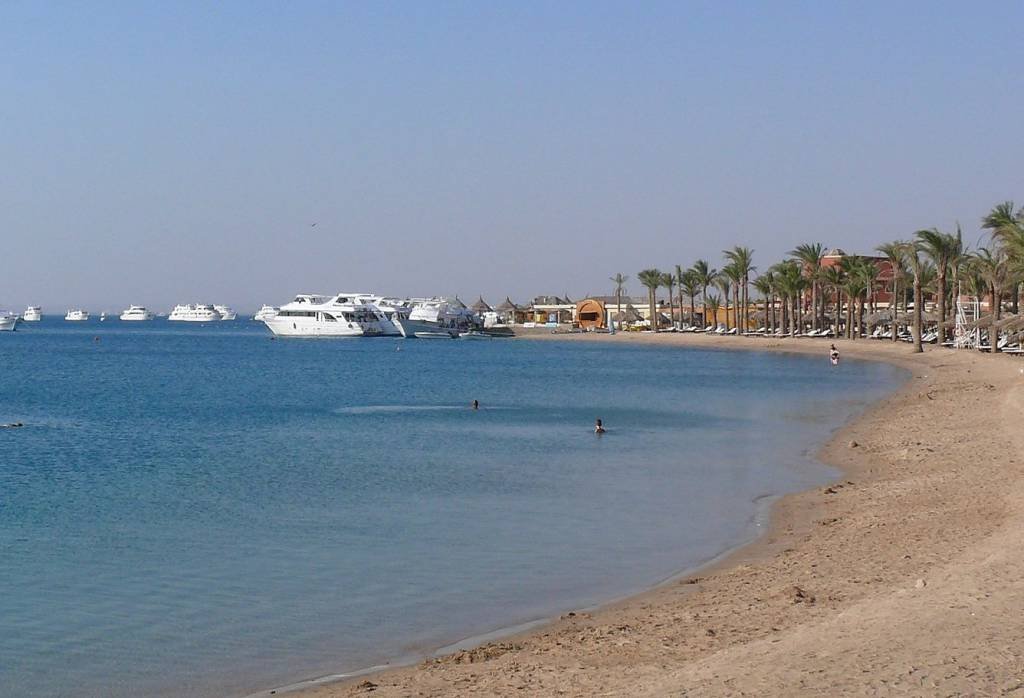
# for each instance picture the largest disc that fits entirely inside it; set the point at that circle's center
(904, 578)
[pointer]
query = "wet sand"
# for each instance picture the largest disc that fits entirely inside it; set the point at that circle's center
(905, 577)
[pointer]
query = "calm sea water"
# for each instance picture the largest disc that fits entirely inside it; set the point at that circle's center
(204, 511)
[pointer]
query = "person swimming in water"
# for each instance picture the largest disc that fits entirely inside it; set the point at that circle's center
(833, 355)
(598, 426)
(475, 404)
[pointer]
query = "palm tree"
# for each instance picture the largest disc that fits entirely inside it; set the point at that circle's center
(893, 252)
(619, 280)
(712, 304)
(940, 248)
(791, 283)
(765, 285)
(973, 280)
(651, 278)
(861, 281)
(734, 274)
(688, 282)
(742, 259)
(680, 273)
(912, 254)
(705, 276)
(833, 278)
(668, 280)
(724, 283)
(1007, 226)
(994, 267)
(810, 255)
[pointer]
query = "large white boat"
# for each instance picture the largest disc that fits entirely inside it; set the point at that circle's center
(226, 313)
(8, 321)
(136, 313)
(265, 313)
(438, 318)
(392, 313)
(312, 315)
(33, 313)
(76, 315)
(194, 313)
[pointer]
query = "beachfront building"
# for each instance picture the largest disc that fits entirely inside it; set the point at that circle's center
(881, 295)
(552, 310)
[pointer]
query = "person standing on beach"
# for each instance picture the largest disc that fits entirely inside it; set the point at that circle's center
(833, 355)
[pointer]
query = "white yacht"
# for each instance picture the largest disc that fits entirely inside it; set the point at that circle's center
(265, 313)
(33, 313)
(438, 318)
(76, 315)
(311, 315)
(8, 321)
(392, 313)
(226, 313)
(136, 313)
(194, 313)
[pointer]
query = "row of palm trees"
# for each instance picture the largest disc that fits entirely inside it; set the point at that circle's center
(800, 289)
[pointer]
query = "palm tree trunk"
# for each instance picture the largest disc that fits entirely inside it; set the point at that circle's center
(814, 305)
(941, 283)
(917, 314)
(736, 306)
(671, 308)
(997, 312)
(653, 310)
(704, 306)
(894, 309)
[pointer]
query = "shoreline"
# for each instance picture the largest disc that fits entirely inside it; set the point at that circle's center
(582, 652)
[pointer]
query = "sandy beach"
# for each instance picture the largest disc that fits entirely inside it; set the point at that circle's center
(905, 577)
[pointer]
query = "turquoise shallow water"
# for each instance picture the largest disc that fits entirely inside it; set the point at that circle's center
(202, 511)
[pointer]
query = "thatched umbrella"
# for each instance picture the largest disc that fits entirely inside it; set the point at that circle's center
(882, 316)
(1010, 323)
(481, 307)
(508, 306)
(983, 322)
(628, 315)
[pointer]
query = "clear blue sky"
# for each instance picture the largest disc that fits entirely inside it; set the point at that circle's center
(171, 152)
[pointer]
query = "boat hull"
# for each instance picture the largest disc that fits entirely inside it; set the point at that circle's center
(301, 327)
(8, 324)
(425, 329)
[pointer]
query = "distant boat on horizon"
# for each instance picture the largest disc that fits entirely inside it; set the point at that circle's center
(33, 313)
(199, 312)
(76, 315)
(226, 313)
(136, 313)
(265, 313)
